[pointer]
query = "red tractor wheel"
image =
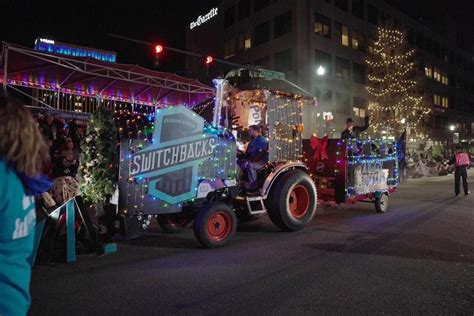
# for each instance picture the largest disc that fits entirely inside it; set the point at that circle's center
(215, 224)
(174, 223)
(292, 201)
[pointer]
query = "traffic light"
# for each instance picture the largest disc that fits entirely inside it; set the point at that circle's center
(209, 60)
(158, 50)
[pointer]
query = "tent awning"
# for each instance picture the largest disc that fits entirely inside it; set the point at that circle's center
(93, 78)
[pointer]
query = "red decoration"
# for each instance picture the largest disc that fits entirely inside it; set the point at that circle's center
(319, 145)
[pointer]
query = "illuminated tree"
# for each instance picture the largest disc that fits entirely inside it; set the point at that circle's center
(395, 103)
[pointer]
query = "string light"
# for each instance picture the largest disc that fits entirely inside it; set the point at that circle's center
(392, 89)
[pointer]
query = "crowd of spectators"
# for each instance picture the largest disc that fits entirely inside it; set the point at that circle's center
(63, 139)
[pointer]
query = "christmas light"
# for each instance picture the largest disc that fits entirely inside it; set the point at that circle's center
(392, 88)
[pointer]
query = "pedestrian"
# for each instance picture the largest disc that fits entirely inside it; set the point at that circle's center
(22, 151)
(462, 162)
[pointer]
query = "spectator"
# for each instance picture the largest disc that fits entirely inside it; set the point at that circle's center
(70, 149)
(22, 150)
(65, 184)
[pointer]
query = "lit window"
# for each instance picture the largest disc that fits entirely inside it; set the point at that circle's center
(322, 25)
(436, 74)
(444, 102)
(358, 112)
(444, 79)
(248, 41)
(437, 99)
(355, 40)
(429, 71)
(345, 35)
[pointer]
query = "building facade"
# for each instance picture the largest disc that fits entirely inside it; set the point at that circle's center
(321, 45)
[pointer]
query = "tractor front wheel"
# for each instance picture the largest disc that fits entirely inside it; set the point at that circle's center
(215, 225)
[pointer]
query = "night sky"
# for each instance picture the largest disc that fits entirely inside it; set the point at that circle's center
(87, 23)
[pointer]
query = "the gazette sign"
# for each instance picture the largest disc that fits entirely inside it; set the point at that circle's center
(203, 18)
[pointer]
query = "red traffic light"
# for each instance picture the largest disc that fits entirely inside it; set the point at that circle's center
(209, 60)
(158, 49)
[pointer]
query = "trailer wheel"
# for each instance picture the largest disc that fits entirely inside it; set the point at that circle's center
(381, 203)
(174, 223)
(215, 224)
(292, 201)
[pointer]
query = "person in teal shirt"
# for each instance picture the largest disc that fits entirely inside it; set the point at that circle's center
(22, 151)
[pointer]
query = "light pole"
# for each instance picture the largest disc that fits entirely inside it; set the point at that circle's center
(320, 72)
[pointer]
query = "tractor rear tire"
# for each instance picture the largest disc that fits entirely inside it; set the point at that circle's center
(292, 201)
(215, 225)
(174, 223)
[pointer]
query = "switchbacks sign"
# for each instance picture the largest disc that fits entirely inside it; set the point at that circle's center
(171, 163)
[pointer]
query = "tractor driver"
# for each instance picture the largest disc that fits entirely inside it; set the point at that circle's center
(255, 157)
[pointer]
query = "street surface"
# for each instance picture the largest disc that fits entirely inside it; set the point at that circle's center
(416, 259)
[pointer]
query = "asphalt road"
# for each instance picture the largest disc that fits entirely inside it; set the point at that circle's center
(416, 259)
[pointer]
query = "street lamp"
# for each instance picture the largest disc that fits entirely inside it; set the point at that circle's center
(320, 71)
(403, 120)
(452, 127)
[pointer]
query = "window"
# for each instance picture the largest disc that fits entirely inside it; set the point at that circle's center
(244, 42)
(428, 44)
(411, 36)
(324, 97)
(372, 14)
(436, 99)
(342, 68)
(344, 35)
(359, 107)
(444, 79)
(342, 32)
(262, 33)
(263, 62)
(247, 41)
(429, 71)
(419, 40)
(444, 102)
(385, 18)
(358, 8)
(229, 17)
(358, 73)
(358, 112)
(342, 4)
(436, 74)
(322, 25)
(244, 9)
(323, 59)
(282, 24)
(343, 103)
(229, 48)
(436, 49)
(284, 61)
(356, 40)
(260, 4)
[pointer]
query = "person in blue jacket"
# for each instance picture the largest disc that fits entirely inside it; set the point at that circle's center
(255, 157)
(22, 151)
